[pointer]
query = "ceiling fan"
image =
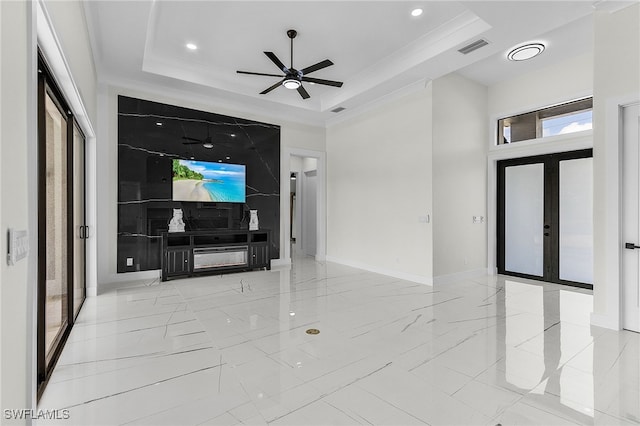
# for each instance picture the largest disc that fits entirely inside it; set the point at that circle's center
(206, 142)
(293, 78)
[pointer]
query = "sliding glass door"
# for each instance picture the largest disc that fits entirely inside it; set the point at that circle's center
(61, 223)
(545, 218)
(80, 230)
(55, 271)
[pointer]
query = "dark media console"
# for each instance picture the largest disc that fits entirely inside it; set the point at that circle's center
(217, 251)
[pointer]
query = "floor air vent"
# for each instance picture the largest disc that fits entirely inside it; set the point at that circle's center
(473, 46)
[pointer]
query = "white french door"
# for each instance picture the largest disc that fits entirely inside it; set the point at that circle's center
(631, 218)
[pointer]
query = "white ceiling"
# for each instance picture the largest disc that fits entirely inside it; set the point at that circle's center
(377, 47)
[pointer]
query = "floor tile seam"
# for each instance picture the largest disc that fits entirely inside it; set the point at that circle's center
(561, 416)
(111, 336)
(324, 395)
(422, 379)
(162, 411)
(229, 411)
(500, 411)
(129, 367)
(142, 387)
(384, 324)
(444, 351)
(82, 325)
(391, 404)
(616, 416)
(349, 415)
(198, 318)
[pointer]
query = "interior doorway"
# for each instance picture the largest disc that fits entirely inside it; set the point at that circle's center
(545, 218)
(631, 218)
(303, 205)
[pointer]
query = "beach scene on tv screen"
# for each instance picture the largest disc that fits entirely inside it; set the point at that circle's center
(206, 181)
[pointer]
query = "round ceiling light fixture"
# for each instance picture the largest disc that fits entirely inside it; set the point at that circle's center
(416, 12)
(526, 51)
(191, 46)
(291, 83)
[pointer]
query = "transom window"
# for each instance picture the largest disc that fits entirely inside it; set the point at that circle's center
(570, 117)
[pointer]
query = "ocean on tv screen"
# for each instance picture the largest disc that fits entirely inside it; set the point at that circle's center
(208, 182)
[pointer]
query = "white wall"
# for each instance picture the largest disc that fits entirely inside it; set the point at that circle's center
(616, 82)
(17, 184)
(378, 184)
(459, 175)
(70, 25)
(291, 135)
(566, 80)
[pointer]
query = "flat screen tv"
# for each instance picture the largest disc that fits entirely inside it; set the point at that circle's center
(208, 182)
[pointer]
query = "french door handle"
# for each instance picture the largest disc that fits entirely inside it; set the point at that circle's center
(81, 232)
(631, 246)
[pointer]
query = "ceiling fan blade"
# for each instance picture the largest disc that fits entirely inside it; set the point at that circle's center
(272, 87)
(303, 92)
(321, 81)
(277, 61)
(316, 67)
(259, 73)
(192, 143)
(192, 139)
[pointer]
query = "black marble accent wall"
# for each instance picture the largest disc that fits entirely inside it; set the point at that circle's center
(150, 136)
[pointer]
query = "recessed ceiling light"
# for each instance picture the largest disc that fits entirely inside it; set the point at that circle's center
(526, 51)
(158, 123)
(416, 12)
(219, 161)
(208, 145)
(191, 46)
(228, 158)
(291, 83)
(233, 135)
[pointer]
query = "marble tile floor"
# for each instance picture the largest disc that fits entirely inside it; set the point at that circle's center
(232, 350)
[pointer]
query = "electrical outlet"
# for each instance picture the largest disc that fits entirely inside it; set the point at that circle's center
(129, 261)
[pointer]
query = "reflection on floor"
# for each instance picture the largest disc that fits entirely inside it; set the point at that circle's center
(232, 349)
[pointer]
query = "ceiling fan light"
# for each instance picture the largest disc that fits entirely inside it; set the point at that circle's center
(291, 83)
(208, 145)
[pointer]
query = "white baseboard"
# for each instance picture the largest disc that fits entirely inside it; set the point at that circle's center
(605, 321)
(460, 276)
(420, 279)
(275, 263)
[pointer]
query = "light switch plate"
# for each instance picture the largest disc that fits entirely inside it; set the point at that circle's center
(478, 219)
(18, 247)
(129, 261)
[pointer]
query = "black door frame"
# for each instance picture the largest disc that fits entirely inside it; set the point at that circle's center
(48, 85)
(551, 243)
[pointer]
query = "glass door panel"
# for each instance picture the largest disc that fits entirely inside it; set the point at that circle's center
(545, 217)
(576, 220)
(524, 219)
(79, 228)
(56, 235)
